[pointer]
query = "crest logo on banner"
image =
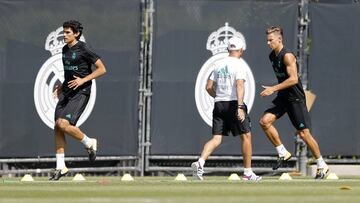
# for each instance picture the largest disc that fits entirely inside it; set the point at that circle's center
(51, 74)
(217, 44)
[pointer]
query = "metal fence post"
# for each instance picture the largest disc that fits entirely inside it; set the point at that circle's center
(303, 52)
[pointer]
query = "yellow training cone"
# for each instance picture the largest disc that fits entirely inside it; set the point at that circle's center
(27, 178)
(127, 177)
(234, 176)
(332, 176)
(78, 177)
(180, 177)
(285, 176)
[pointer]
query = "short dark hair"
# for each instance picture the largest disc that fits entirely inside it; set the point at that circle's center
(274, 29)
(75, 26)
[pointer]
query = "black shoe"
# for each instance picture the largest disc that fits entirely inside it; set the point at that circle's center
(58, 173)
(92, 150)
(322, 172)
(281, 160)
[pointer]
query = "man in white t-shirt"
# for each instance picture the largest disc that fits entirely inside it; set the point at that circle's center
(226, 85)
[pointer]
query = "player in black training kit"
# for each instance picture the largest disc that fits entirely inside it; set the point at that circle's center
(74, 94)
(290, 99)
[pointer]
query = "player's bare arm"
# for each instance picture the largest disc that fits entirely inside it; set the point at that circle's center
(290, 62)
(99, 71)
(210, 88)
(240, 91)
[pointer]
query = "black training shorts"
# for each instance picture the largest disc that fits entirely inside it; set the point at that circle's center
(71, 107)
(296, 110)
(225, 119)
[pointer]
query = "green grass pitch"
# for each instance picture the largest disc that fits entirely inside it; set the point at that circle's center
(166, 189)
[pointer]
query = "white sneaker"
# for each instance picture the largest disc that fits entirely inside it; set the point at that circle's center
(321, 173)
(251, 177)
(198, 171)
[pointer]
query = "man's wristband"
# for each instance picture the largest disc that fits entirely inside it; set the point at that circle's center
(241, 106)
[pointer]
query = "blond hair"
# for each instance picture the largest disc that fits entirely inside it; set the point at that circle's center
(274, 29)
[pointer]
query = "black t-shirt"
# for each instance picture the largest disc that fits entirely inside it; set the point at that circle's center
(293, 93)
(77, 61)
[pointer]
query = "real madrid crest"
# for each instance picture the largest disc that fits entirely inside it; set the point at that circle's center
(217, 44)
(50, 74)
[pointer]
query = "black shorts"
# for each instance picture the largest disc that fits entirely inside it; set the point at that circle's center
(296, 110)
(71, 107)
(225, 119)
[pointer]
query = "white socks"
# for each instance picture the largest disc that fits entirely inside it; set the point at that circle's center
(281, 150)
(60, 158)
(202, 162)
(320, 162)
(86, 141)
(248, 171)
(60, 161)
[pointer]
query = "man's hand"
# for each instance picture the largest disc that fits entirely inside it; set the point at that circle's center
(210, 88)
(240, 114)
(269, 90)
(57, 91)
(77, 82)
